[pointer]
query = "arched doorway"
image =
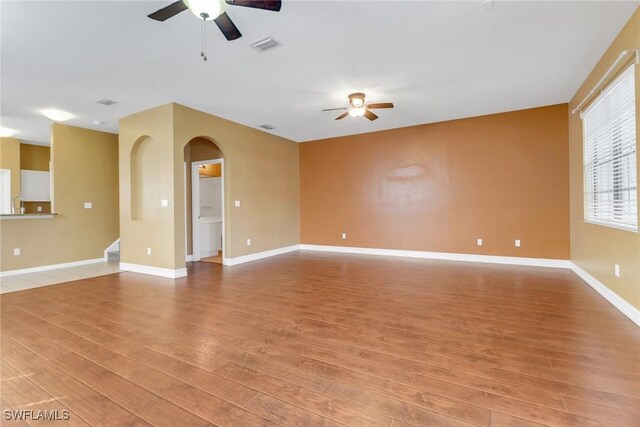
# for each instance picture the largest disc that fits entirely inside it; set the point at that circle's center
(204, 201)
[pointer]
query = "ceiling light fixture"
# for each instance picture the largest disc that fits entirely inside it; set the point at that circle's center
(6, 133)
(357, 112)
(57, 115)
(207, 10)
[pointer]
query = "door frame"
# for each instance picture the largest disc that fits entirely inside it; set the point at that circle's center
(195, 203)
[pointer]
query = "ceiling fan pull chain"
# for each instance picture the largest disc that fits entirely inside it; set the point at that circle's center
(203, 52)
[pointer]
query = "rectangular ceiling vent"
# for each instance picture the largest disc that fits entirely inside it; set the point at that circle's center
(264, 44)
(267, 127)
(106, 102)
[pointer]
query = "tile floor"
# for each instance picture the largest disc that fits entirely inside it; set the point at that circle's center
(52, 277)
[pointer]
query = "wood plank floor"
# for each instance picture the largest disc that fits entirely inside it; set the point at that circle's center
(315, 339)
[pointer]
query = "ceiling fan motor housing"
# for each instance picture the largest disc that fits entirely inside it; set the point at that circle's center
(356, 99)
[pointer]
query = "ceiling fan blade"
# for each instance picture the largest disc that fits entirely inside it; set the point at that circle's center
(369, 115)
(167, 12)
(342, 116)
(381, 105)
(334, 109)
(227, 27)
(273, 5)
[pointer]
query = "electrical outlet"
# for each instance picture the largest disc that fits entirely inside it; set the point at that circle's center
(616, 270)
(517, 243)
(88, 205)
(16, 251)
(248, 242)
(148, 251)
(39, 208)
(344, 235)
(164, 203)
(236, 203)
(479, 242)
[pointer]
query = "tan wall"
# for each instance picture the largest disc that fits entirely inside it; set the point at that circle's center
(34, 157)
(10, 159)
(197, 150)
(85, 169)
(596, 248)
(439, 187)
(261, 170)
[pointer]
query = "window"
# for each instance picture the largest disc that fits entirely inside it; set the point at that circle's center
(610, 174)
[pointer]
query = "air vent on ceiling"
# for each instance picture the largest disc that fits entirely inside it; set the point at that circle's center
(264, 44)
(106, 102)
(267, 127)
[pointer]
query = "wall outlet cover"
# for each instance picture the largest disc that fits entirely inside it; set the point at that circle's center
(164, 203)
(148, 251)
(248, 242)
(16, 251)
(88, 205)
(236, 203)
(39, 208)
(517, 243)
(616, 270)
(479, 242)
(344, 235)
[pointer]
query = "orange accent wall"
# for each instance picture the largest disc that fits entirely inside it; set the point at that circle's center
(439, 187)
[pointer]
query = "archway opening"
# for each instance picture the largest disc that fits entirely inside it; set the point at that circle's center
(204, 201)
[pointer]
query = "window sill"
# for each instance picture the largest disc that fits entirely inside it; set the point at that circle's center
(608, 225)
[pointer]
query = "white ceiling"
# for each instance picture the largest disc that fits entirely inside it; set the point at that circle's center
(435, 60)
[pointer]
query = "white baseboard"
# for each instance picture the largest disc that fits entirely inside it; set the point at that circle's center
(154, 271)
(616, 300)
(189, 258)
(50, 267)
(534, 262)
(259, 255)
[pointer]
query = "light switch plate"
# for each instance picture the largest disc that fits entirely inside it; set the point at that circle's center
(248, 242)
(616, 270)
(479, 242)
(517, 243)
(164, 203)
(344, 235)
(148, 251)
(88, 205)
(16, 251)
(236, 203)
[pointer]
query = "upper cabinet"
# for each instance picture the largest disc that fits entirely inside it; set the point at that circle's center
(35, 186)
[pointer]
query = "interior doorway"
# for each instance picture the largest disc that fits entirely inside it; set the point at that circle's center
(207, 209)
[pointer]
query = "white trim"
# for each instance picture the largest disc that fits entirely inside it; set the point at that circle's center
(259, 255)
(50, 267)
(534, 262)
(154, 271)
(627, 309)
(27, 216)
(189, 258)
(106, 251)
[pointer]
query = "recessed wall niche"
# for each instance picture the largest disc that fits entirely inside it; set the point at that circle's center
(145, 191)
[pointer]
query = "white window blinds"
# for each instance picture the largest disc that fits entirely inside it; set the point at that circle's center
(610, 170)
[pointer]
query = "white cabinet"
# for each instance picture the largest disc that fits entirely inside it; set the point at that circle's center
(35, 186)
(210, 236)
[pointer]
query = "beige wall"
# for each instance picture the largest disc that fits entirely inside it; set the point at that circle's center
(261, 170)
(34, 157)
(10, 159)
(593, 247)
(439, 187)
(85, 169)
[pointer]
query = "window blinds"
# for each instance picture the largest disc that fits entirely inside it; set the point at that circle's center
(610, 170)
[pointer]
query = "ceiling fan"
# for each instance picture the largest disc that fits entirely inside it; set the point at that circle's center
(359, 108)
(215, 10)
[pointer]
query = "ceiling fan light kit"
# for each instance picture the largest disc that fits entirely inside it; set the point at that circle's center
(207, 10)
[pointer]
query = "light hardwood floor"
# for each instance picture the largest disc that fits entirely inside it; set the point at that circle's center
(316, 339)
